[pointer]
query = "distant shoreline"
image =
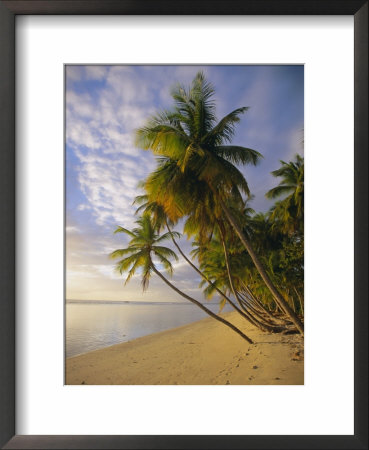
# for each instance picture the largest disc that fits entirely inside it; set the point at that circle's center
(201, 353)
(126, 302)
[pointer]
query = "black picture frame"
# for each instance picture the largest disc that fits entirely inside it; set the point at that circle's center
(8, 12)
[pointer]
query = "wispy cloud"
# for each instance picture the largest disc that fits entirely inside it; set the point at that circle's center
(104, 105)
(100, 127)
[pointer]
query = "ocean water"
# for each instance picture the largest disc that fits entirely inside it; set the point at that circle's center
(94, 325)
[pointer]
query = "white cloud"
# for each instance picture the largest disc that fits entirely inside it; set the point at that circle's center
(79, 135)
(100, 120)
(100, 127)
(83, 207)
(95, 72)
(72, 230)
(74, 73)
(79, 104)
(100, 130)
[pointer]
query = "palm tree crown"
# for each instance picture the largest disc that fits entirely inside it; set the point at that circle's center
(290, 210)
(194, 150)
(141, 249)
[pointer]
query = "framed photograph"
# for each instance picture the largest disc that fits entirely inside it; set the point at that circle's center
(251, 344)
(164, 145)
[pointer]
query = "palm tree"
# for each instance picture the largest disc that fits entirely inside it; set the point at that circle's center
(142, 248)
(160, 220)
(290, 210)
(196, 158)
(224, 271)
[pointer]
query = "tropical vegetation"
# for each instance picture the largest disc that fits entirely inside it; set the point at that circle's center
(250, 260)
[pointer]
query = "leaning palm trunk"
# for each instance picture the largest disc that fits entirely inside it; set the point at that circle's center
(245, 315)
(257, 319)
(250, 301)
(300, 300)
(253, 320)
(204, 308)
(254, 311)
(259, 305)
(277, 296)
(255, 306)
(256, 302)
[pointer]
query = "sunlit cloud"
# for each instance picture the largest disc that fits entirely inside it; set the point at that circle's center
(104, 105)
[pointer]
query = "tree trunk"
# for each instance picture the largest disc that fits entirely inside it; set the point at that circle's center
(300, 300)
(201, 306)
(255, 311)
(256, 301)
(277, 296)
(234, 306)
(253, 320)
(256, 305)
(262, 309)
(293, 304)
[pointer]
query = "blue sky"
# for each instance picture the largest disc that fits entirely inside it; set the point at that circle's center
(104, 104)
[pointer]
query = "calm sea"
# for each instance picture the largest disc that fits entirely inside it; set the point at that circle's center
(94, 325)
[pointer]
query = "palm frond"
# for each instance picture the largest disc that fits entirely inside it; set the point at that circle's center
(222, 304)
(164, 252)
(169, 235)
(146, 274)
(129, 261)
(133, 269)
(140, 199)
(165, 263)
(124, 230)
(278, 191)
(122, 252)
(225, 129)
(238, 155)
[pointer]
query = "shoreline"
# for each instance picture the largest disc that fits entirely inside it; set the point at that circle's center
(151, 335)
(200, 353)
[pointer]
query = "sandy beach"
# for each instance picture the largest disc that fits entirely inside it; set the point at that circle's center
(201, 353)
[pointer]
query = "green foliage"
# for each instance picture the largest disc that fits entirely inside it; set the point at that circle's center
(196, 173)
(194, 161)
(142, 246)
(289, 212)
